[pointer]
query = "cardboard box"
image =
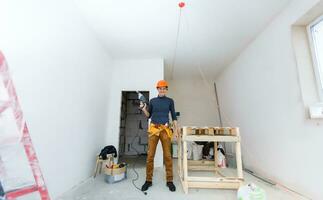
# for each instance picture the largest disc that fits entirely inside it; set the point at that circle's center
(115, 175)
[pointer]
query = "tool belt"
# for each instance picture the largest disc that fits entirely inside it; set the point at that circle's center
(156, 129)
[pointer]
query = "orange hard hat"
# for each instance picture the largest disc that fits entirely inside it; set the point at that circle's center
(162, 83)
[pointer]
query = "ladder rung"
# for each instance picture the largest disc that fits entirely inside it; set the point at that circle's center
(20, 192)
(4, 105)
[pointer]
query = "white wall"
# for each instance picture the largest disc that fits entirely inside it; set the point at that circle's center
(196, 102)
(131, 75)
(261, 94)
(60, 74)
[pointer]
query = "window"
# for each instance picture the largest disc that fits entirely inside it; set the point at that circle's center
(315, 31)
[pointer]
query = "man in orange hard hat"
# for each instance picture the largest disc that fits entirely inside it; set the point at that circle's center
(159, 129)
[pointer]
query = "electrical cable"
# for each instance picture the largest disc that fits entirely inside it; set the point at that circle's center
(134, 164)
(176, 42)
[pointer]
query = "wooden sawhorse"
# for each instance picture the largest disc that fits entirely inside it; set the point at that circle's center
(209, 134)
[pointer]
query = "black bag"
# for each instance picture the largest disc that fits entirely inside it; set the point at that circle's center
(108, 150)
(207, 146)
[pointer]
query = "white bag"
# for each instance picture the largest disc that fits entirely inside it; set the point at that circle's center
(197, 151)
(251, 192)
(189, 150)
(222, 163)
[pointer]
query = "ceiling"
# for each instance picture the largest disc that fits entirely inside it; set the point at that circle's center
(212, 32)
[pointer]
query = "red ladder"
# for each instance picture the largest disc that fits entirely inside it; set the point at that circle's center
(25, 140)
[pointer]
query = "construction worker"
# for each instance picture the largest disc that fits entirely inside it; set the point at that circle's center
(159, 129)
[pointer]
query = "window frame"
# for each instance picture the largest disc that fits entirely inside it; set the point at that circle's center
(316, 66)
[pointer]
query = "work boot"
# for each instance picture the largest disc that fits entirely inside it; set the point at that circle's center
(146, 185)
(171, 186)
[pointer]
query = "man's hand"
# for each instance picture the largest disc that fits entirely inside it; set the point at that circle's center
(142, 106)
(176, 133)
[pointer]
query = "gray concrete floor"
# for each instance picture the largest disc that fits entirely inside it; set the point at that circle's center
(97, 189)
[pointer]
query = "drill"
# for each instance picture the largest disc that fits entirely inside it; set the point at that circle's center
(142, 99)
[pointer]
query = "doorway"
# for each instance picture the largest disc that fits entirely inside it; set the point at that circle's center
(133, 138)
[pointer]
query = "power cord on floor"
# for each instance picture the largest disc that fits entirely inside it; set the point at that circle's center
(137, 177)
(134, 165)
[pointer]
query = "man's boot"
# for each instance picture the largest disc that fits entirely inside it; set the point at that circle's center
(171, 186)
(146, 185)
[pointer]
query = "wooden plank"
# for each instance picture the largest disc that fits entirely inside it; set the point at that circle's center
(190, 131)
(179, 153)
(207, 179)
(198, 131)
(216, 157)
(201, 165)
(238, 157)
(213, 179)
(96, 167)
(215, 138)
(184, 184)
(185, 130)
(210, 131)
(179, 162)
(185, 160)
(234, 131)
(216, 130)
(201, 168)
(223, 185)
(201, 162)
(221, 131)
(185, 169)
(193, 130)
